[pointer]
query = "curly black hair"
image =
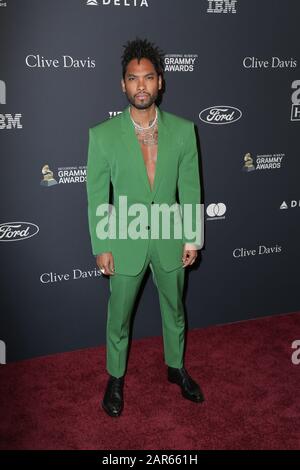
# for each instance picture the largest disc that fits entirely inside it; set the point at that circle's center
(142, 48)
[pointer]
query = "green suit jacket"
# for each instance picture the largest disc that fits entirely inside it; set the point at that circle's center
(115, 156)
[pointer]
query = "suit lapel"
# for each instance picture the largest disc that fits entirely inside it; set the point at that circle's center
(135, 152)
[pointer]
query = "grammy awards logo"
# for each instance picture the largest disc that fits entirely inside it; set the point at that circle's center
(48, 179)
(248, 163)
(180, 62)
(64, 175)
(263, 162)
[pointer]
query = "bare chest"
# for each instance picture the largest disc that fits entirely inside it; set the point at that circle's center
(149, 147)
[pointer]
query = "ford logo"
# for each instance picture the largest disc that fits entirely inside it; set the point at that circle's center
(220, 115)
(15, 231)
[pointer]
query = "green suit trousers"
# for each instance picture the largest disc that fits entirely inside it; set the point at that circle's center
(123, 292)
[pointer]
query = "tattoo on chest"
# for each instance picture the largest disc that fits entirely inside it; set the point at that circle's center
(148, 137)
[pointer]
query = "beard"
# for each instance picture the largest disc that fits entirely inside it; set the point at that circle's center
(142, 104)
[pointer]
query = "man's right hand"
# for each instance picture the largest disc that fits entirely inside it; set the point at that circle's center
(105, 263)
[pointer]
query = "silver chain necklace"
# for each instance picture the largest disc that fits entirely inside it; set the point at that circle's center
(140, 128)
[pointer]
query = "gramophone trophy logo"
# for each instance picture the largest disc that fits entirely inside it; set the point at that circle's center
(248, 163)
(48, 179)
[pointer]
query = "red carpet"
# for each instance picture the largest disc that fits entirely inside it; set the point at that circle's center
(245, 370)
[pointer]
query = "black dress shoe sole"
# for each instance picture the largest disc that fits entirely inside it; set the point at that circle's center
(113, 415)
(196, 399)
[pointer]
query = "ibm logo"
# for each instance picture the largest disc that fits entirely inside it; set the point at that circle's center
(221, 6)
(8, 121)
(2, 352)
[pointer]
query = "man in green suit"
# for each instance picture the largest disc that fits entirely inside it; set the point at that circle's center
(148, 155)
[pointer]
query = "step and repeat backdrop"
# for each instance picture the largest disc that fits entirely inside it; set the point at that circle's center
(232, 67)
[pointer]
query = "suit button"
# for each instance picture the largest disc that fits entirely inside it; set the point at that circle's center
(148, 227)
(152, 202)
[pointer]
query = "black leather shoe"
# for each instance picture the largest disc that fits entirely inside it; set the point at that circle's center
(112, 401)
(189, 388)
